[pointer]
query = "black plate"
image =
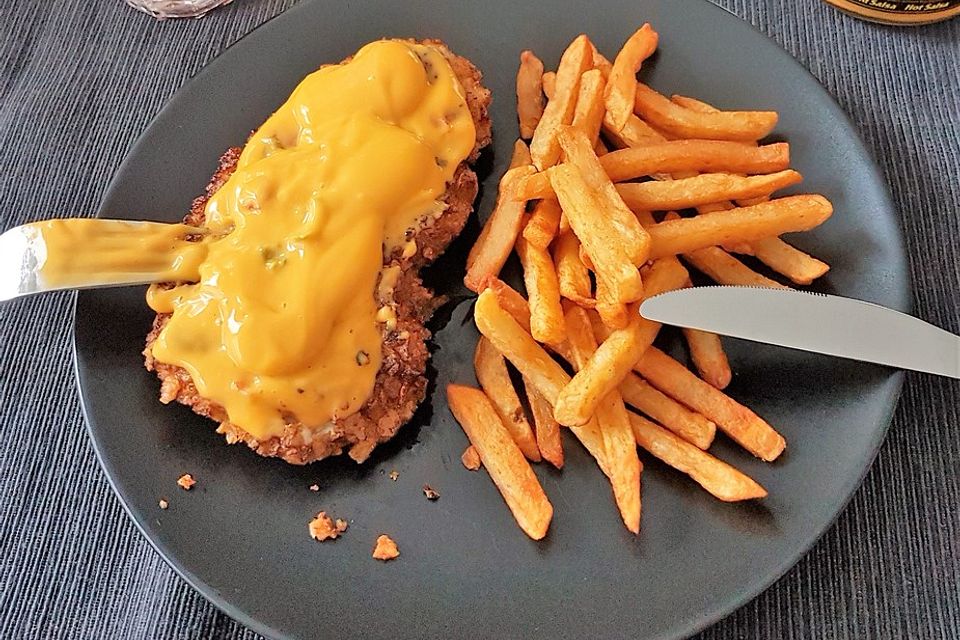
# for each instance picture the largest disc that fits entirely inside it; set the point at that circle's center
(240, 536)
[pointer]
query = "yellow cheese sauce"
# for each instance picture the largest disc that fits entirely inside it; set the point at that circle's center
(282, 323)
(80, 251)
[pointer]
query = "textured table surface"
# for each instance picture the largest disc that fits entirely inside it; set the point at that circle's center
(80, 80)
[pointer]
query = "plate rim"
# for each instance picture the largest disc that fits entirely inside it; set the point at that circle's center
(696, 624)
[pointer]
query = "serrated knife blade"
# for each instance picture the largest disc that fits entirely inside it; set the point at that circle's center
(827, 324)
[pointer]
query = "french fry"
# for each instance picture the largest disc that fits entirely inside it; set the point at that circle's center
(635, 133)
(585, 259)
(543, 293)
(613, 312)
(591, 437)
(749, 202)
(737, 421)
(510, 472)
(693, 104)
(774, 252)
(622, 83)
(659, 111)
(689, 425)
(600, 62)
(470, 458)
(572, 275)
(725, 205)
(578, 151)
(619, 443)
(723, 268)
(742, 248)
(713, 207)
(547, 429)
(529, 93)
(609, 365)
(793, 213)
(645, 217)
(696, 155)
(549, 82)
(717, 477)
(789, 261)
(519, 347)
(578, 57)
(543, 224)
(492, 374)
(702, 189)
(676, 156)
(510, 301)
(588, 115)
(521, 154)
(586, 217)
(517, 307)
(708, 356)
(499, 234)
(535, 186)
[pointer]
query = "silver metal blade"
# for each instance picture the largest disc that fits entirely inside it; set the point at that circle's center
(22, 253)
(816, 322)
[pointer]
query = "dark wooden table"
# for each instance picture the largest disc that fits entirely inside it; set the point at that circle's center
(79, 80)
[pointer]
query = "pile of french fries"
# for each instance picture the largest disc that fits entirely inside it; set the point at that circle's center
(619, 188)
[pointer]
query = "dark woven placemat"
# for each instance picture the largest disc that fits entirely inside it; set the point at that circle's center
(79, 80)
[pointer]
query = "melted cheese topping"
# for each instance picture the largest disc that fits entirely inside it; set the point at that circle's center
(282, 322)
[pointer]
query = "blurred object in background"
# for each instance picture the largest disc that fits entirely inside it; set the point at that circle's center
(915, 12)
(177, 8)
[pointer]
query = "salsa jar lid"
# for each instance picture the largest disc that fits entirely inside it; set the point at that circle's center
(897, 12)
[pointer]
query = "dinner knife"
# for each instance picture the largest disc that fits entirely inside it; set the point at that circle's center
(817, 322)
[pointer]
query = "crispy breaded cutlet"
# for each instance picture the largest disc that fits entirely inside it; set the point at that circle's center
(400, 383)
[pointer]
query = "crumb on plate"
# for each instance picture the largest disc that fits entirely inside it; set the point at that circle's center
(186, 481)
(314, 487)
(470, 458)
(430, 492)
(323, 528)
(386, 548)
(394, 475)
(163, 503)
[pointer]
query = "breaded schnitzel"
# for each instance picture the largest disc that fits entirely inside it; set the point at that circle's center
(400, 383)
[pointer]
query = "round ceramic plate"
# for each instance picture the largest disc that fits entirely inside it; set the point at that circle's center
(240, 536)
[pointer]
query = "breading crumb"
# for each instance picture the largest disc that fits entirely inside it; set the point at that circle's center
(186, 481)
(163, 503)
(394, 475)
(430, 492)
(323, 528)
(314, 487)
(386, 548)
(470, 458)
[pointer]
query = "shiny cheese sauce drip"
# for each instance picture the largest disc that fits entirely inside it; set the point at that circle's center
(281, 322)
(80, 251)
